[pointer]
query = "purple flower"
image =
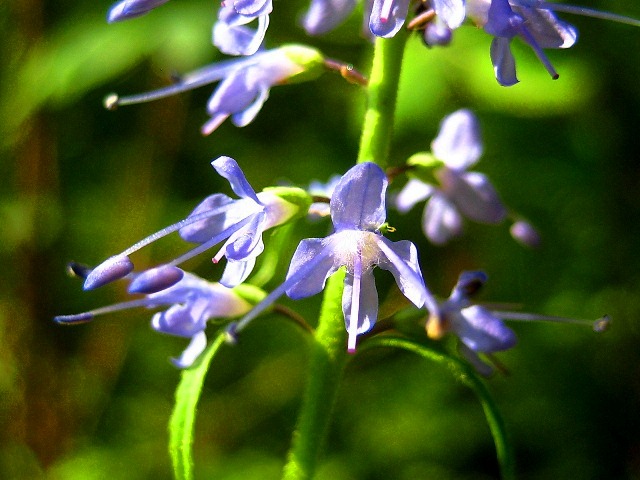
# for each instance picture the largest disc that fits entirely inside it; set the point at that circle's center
(358, 212)
(478, 329)
(238, 221)
(192, 302)
(388, 16)
(126, 9)
(457, 147)
(232, 37)
(244, 83)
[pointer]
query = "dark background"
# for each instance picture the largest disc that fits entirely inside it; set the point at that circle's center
(82, 183)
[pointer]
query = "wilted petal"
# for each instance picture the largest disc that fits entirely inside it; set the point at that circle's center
(192, 352)
(459, 143)
(452, 12)
(504, 65)
(441, 220)
(401, 259)
(313, 257)
(387, 17)
(413, 192)
(324, 15)
(481, 331)
(228, 168)
(358, 201)
(473, 194)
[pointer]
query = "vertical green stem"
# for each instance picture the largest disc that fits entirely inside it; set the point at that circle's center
(327, 363)
(330, 343)
(381, 99)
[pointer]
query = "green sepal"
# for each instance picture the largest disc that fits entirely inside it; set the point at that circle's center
(297, 197)
(310, 61)
(422, 166)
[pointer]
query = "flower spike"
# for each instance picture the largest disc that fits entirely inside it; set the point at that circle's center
(357, 211)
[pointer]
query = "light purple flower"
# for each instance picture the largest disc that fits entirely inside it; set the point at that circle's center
(479, 330)
(219, 217)
(358, 212)
(244, 83)
(457, 146)
(388, 16)
(126, 9)
(231, 35)
(192, 302)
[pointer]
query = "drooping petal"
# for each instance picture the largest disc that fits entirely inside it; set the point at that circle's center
(195, 348)
(481, 331)
(504, 65)
(401, 259)
(313, 257)
(452, 12)
(325, 15)
(358, 201)
(547, 29)
(387, 17)
(413, 192)
(228, 168)
(246, 116)
(459, 141)
(441, 220)
(367, 307)
(474, 195)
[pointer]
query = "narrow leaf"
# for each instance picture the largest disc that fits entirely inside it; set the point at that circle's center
(182, 421)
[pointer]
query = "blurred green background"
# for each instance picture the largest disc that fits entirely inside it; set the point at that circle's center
(82, 183)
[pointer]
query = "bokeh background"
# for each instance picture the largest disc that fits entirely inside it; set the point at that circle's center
(81, 183)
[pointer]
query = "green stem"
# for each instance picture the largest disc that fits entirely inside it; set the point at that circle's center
(382, 92)
(464, 373)
(327, 364)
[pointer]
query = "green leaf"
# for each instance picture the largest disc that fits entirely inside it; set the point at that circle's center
(465, 374)
(184, 412)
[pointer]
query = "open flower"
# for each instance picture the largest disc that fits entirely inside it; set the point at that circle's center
(219, 217)
(358, 212)
(192, 302)
(457, 147)
(244, 83)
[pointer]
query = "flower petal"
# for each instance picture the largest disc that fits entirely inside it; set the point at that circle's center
(126, 9)
(203, 230)
(358, 201)
(473, 194)
(253, 8)
(452, 12)
(182, 320)
(325, 15)
(401, 259)
(481, 331)
(441, 220)
(192, 352)
(547, 29)
(459, 143)
(387, 17)
(413, 192)
(367, 307)
(228, 168)
(247, 241)
(504, 65)
(237, 271)
(314, 257)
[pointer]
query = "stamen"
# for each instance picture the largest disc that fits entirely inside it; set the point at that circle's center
(88, 316)
(213, 124)
(156, 279)
(78, 269)
(539, 52)
(355, 303)
(599, 325)
(112, 269)
(582, 11)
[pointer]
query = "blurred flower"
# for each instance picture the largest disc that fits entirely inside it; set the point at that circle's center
(219, 217)
(457, 147)
(325, 15)
(358, 212)
(523, 232)
(232, 37)
(479, 330)
(244, 83)
(193, 301)
(126, 9)
(319, 189)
